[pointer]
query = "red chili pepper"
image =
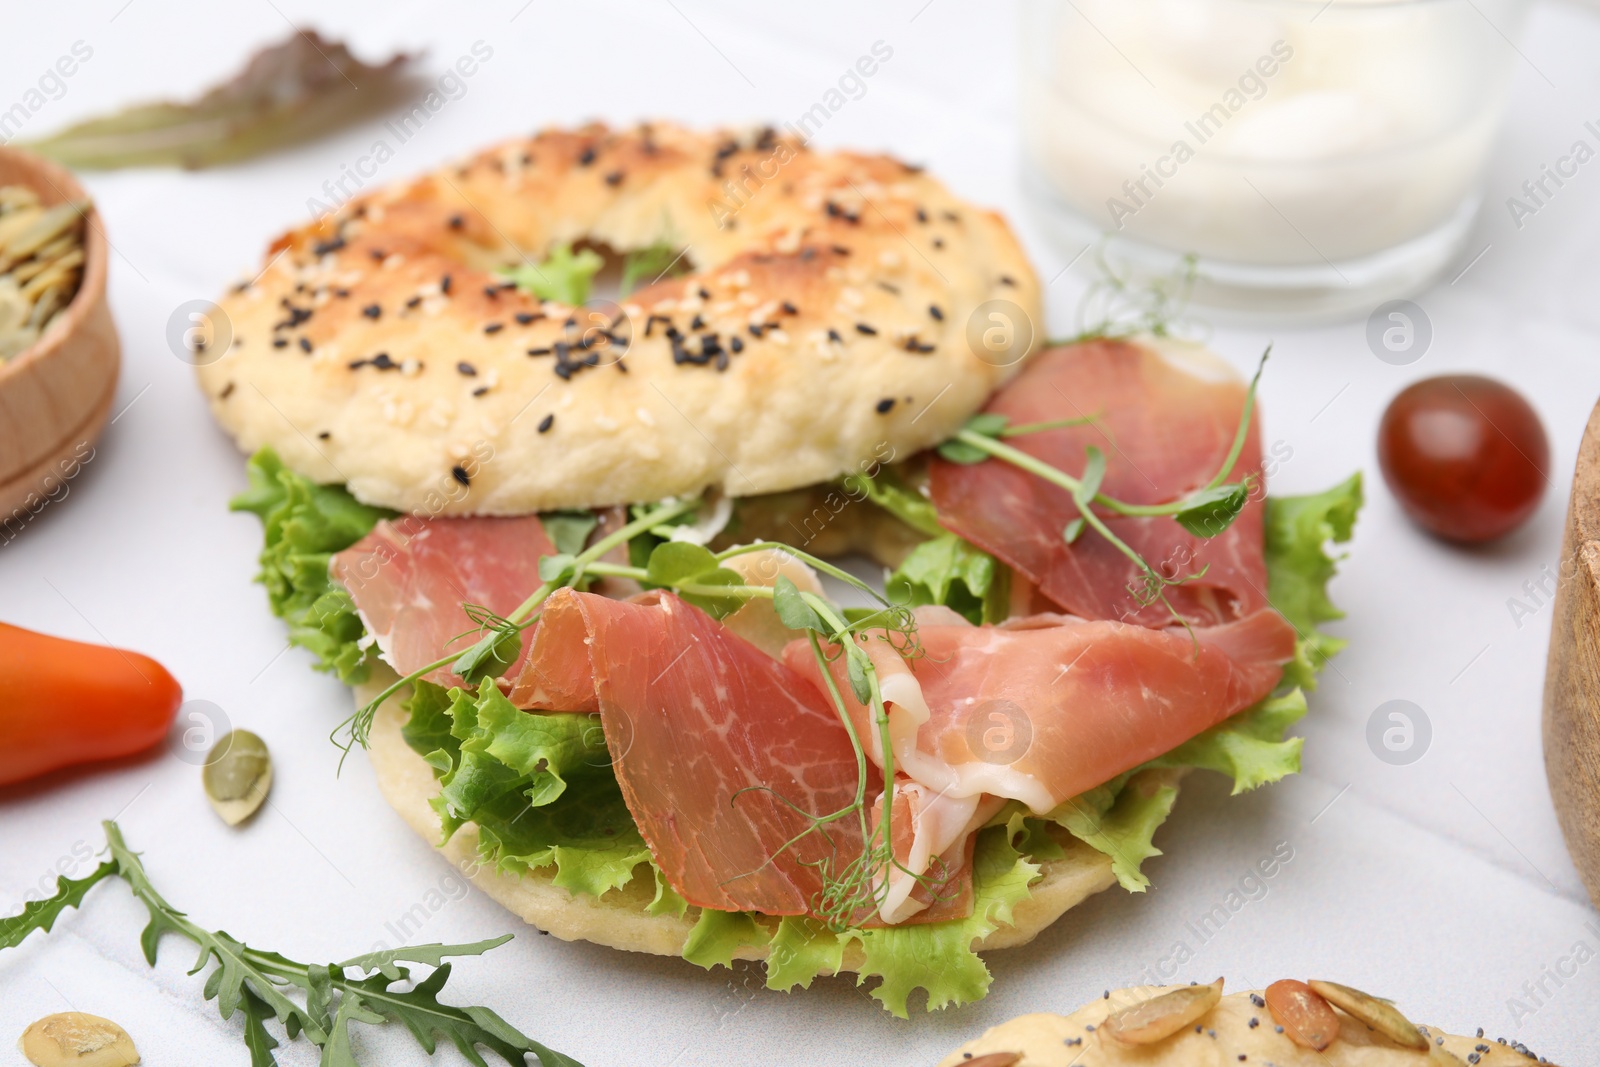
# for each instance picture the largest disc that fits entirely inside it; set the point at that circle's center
(65, 702)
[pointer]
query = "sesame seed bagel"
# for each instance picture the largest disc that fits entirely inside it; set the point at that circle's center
(826, 323)
(1239, 1029)
(619, 919)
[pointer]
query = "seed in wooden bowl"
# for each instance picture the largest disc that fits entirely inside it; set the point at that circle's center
(41, 265)
(1379, 1015)
(1305, 1017)
(77, 1039)
(1162, 1015)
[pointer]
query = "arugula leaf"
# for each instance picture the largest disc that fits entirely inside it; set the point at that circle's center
(947, 570)
(260, 982)
(889, 491)
(1298, 569)
(42, 914)
(304, 524)
(562, 277)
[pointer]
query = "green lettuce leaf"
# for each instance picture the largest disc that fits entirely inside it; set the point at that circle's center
(947, 570)
(1120, 819)
(938, 957)
(562, 277)
(1299, 529)
(538, 787)
(304, 524)
(717, 937)
(1250, 747)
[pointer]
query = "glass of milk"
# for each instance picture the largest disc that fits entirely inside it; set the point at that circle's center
(1315, 157)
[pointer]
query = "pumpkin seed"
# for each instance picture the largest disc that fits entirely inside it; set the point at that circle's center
(41, 265)
(1162, 1015)
(77, 1039)
(237, 775)
(1379, 1015)
(1305, 1017)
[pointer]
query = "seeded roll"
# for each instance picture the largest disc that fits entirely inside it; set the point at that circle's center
(1289, 1024)
(829, 320)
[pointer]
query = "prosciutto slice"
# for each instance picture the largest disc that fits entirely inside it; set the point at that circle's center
(715, 744)
(1165, 420)
(410, 578)
(1041, 709)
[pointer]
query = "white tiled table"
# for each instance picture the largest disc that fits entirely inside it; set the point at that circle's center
(1443, 884)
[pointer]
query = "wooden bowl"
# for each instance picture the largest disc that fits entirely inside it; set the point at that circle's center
(1572, 677)
(56, 395)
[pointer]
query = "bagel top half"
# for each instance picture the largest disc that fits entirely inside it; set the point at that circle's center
(830, 320)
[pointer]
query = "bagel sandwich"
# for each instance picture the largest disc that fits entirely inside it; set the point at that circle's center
(577, 554)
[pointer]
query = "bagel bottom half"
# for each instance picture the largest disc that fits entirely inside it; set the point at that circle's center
(618, 919)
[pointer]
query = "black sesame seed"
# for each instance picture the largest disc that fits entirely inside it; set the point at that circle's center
(755, 330)
(413, 302)
(280, 342)
(1255, 998)
(933, 309)
(885, 406)
(938, 242)
(951, 216)
(383, 362)
(586, 157)
(444, 284)
(614, 178)
(1006, 279)
(372, 311)
(456, 222)
(870, 331)
(697, 323)
(833, 335)
(736, 343)
(790, 309)
(227, 391)
(468, 369)
(341, 293)
(324, 435)
(459, 473)
(525, 317)
(886, 287)
(705, 294)
(322, 248)
(922, 216)
(480, 390)
(494, 327)
(840, 250)
(546, 422)
(492, 292)
(305, 344)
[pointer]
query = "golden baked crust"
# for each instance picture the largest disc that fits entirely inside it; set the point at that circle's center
(1226, 1038)
(618, 919)
(378, 349)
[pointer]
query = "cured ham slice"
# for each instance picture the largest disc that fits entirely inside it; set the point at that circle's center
(410, 577)
(714, 742)
(1043, 708)
(1165, 420)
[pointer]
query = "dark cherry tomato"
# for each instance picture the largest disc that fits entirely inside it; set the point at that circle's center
(1465, 455)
